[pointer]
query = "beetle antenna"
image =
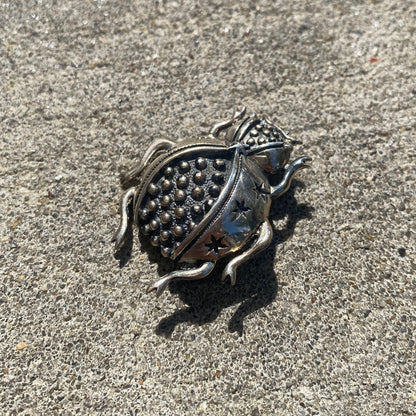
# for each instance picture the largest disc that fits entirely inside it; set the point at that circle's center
(215, 131)
(286, 136)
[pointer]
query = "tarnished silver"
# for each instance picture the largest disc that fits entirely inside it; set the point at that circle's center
(203, 199)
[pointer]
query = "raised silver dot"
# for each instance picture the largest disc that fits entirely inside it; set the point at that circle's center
(254, 133)
(218, 177)
(179, 213)
(152, 205)
(209, 203)
(164, 236)
(145, 229)
(155, 241)
(182, 181)
(276, 133)
(219, 164)
(166, 251)
(199, 178)
(196, 210)
(166, 185)
(266, 132)
(169, 172)
(165, 201)
(180, 195)
(184, 166)
(144, 214)
(214, 190)
(165, 218)
(197, 193)
(201, 163)
(251, 142)
(177, 231)
(153, 189)
(262, 140)
(154, 224)
(191, 226)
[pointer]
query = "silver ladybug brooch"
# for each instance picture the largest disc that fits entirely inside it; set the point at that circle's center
(200, 200)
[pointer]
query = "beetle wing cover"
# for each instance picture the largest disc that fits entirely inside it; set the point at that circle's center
(179, 192)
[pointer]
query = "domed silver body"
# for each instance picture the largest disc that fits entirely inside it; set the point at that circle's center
(201, 200)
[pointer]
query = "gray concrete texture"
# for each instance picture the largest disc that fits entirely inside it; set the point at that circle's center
(321, 323)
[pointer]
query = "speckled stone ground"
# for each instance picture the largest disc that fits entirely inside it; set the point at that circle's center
(322, 323)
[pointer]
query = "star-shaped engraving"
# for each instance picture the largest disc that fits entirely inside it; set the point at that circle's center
(260, 190)
(240, 209)
(215, 245)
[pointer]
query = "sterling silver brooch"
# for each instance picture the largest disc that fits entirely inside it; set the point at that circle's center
(202, 199)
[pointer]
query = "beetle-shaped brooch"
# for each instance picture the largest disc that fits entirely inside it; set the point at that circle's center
(201, 200)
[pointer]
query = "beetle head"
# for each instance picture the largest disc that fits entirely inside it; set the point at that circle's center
(266, 144)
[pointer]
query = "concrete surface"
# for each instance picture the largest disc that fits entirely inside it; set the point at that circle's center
(323, 323)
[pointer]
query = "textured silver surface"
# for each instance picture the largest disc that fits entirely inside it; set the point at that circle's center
(327, 318)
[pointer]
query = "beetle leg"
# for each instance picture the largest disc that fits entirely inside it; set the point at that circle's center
(153, 149)
(193, 274)
(124, 218)
(264, 237)
(284, 186)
